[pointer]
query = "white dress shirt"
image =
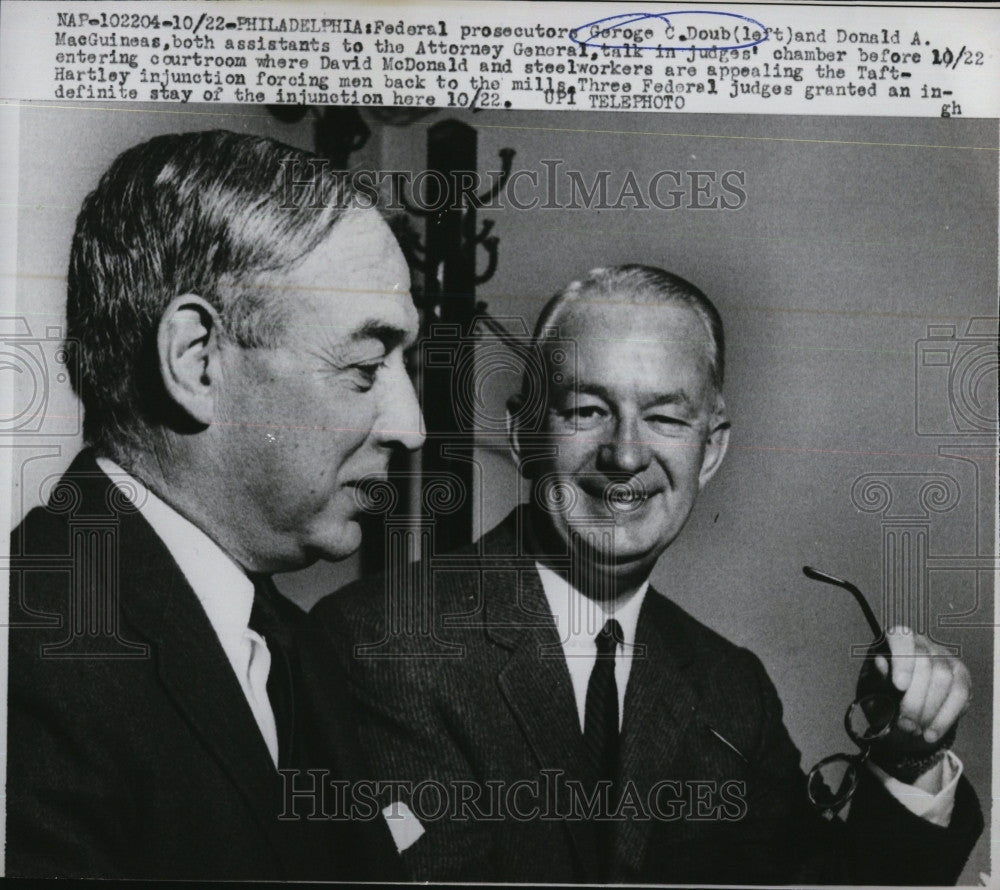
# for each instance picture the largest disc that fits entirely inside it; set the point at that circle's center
(578, 621)
(222, 588)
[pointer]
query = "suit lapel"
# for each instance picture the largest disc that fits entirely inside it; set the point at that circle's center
(192, 667)
(534, 680)
(328, 711)
(660, 702)
(201, 682)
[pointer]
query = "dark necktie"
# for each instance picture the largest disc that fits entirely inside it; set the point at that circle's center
(264, 620)
(600, 734)
(600, 722)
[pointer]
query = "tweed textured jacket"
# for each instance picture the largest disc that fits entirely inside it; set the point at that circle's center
(132, 752)
(462, 685)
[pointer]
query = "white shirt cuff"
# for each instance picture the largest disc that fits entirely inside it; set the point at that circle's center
(935, 807)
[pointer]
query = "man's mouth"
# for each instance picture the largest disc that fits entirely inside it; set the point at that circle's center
(630, 503)
(373, 493)
(622, 498)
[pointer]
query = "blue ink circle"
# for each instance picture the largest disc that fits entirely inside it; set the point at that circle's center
(634, 18)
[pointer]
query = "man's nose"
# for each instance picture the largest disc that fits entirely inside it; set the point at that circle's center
(401, 422)
(626, 452)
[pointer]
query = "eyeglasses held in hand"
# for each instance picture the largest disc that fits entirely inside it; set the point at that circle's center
(833, 781)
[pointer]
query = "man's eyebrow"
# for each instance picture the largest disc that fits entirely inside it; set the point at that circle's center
(677, 397)
(674, 397)
(390, 335)
(590, 389)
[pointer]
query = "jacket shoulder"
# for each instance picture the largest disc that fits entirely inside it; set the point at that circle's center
(41, 531)
(711, 653)
(699, 635)
(367, 607)
(40, 566)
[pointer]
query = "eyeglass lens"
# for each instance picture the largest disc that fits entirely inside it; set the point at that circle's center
(832, 782)
(870, 718)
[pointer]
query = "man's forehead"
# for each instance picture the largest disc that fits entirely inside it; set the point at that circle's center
(635, 318)
(647, 349)
(364, 244)
(355, 284)
(359, 247)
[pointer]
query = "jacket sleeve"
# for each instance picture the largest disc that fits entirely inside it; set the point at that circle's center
(412, 747)
(67, 806)
(880, 842)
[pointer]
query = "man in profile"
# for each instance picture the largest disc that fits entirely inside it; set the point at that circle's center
(239, 357)
(583, 726)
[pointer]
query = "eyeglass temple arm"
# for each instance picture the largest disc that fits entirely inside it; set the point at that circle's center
(873, 622)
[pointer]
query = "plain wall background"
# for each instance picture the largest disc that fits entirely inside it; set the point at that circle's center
(857, 234)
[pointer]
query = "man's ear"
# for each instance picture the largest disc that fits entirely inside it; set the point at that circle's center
(514, 405)
(529, 451)
(716, 444)
(187, 342)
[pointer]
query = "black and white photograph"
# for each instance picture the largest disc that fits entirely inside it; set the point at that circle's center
(488, 495)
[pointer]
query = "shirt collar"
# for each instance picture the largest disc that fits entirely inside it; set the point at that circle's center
(222, 587)
(579, 618)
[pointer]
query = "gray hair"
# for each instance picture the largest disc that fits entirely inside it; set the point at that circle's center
(641, 284)
(638, 284)
(206, 213)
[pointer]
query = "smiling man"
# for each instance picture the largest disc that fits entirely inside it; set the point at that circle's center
(639, 428)
(239, 357)
(580, 726)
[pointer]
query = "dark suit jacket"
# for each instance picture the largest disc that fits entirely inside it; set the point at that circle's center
(131, 749)
(462, 678)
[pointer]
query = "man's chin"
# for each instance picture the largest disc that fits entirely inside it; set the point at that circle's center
(337, 544)
(614, 548)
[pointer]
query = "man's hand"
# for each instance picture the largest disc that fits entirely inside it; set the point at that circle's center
(936, 687)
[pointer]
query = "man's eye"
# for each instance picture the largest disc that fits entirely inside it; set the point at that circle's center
(667, 420)
(366, 374)
(584, 415)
